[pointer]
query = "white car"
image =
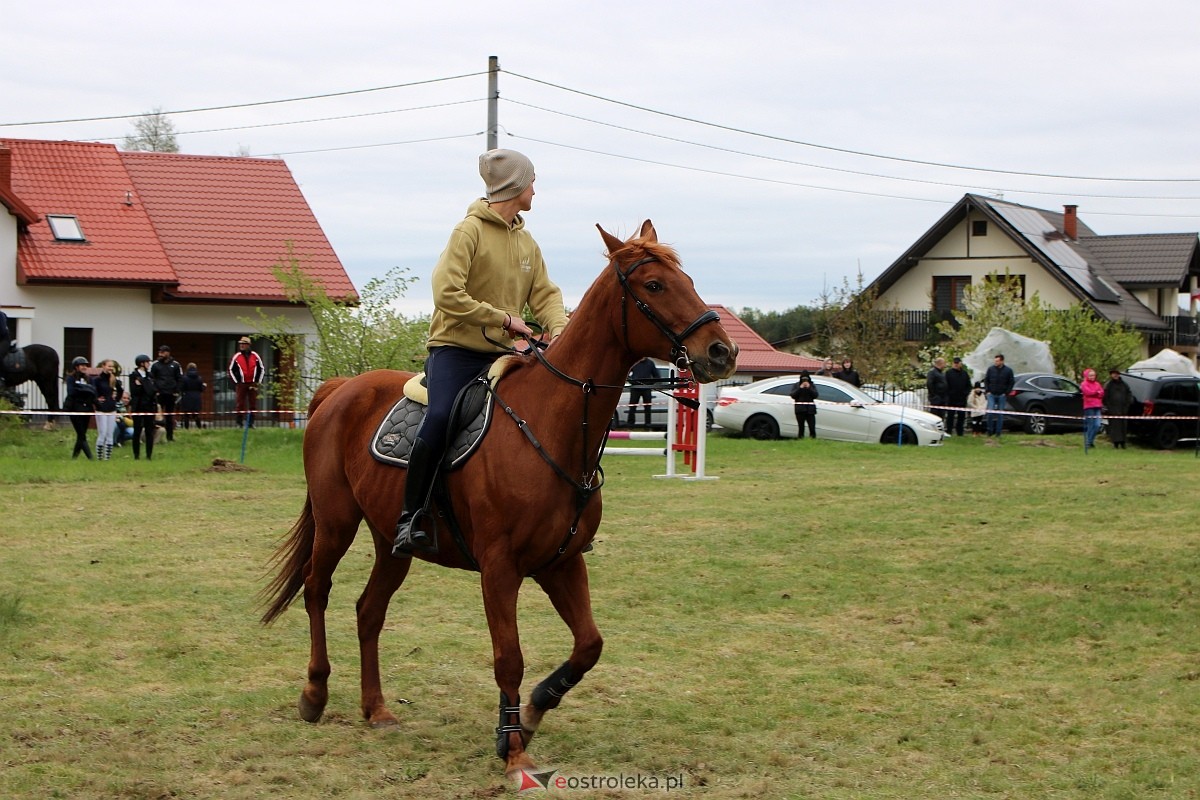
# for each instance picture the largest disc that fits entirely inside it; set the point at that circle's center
(764, 410)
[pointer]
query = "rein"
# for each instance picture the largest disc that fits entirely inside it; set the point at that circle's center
(592, 479)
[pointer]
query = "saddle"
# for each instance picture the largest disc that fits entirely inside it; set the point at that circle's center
(14, 361)
(469, 419)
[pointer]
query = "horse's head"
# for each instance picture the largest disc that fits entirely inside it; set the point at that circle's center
(661, 314)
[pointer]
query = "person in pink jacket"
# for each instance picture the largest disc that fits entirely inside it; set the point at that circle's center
(1093, 402)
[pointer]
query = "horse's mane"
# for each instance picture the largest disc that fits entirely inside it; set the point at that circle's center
(635, 249)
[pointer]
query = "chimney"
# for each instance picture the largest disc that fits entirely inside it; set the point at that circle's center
(1070, 223)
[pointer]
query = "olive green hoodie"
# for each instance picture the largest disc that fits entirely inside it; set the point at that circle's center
(490, 269)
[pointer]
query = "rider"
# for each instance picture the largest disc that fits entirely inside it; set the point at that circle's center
(490, 270)
(6, 343)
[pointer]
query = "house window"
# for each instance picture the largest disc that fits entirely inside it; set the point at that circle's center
(979, 227)
(65, 227)
(948, 292)
(77, 342)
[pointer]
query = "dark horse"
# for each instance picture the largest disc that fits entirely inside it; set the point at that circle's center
(549, 429)
(42, 368)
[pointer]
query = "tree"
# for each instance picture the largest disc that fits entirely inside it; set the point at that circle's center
(780, 326)
(852, 322)
(154, 132)
(1078, 339)
(352, 337)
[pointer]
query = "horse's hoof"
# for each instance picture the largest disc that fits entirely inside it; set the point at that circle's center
(519, 768)
(309, 712)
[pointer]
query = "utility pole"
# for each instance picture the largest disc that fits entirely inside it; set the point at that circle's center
(493, 97)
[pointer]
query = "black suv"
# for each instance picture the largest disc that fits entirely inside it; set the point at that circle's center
(1159, 397)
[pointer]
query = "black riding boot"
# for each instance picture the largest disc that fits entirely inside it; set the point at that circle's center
(422, 469)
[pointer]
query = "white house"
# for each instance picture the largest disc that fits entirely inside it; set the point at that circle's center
(107, 254)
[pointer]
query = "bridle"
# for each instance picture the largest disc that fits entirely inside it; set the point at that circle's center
(679, 353)
(593, 477)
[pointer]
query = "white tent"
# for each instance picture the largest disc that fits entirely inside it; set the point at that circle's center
(1168, 361)
(1020, 353)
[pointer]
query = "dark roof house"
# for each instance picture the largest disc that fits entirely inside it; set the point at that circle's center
(1131, 279)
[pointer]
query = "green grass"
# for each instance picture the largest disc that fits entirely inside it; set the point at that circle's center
(824, 620)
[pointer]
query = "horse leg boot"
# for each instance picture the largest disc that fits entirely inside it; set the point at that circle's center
(422, 469)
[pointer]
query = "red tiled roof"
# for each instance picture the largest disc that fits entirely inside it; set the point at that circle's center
(226, 222)
(89, 182)
(200, 228)
(755, 355)
(8, 198)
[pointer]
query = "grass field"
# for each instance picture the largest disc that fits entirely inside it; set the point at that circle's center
(823, 621)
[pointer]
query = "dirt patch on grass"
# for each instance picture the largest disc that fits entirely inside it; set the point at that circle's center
(225, 465)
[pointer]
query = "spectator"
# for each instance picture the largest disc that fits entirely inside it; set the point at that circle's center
(81, 401)
(958, 386)
(936, 387)
(1117, 400)
(246, 370)
(641, 377)
(848, 374)
(977, 403)
(192, 386)
(108, 393)
(1093, 402)
(826, 368)
(804, 394)
(998, 382)
(6, 342)
(143, 400)
(168, 378)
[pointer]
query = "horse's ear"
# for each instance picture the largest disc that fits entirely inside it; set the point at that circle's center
(648, 233)
(612, 243)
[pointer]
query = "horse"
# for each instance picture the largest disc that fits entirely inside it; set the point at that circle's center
(42, 368)
(556, 404)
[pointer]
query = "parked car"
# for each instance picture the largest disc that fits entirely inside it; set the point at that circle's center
(1054, 403)
(1159, 397)
(764, 410)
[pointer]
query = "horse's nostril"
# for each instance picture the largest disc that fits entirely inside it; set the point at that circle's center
(718, 353)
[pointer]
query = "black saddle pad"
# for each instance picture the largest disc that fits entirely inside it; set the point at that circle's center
(393, 441)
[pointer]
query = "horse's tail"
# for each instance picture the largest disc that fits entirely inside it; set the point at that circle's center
(290, 557)
(295, 551)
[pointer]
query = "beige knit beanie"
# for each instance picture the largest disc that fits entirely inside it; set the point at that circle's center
(506, 174)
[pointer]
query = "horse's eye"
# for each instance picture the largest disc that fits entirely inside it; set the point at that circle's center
(653, 286)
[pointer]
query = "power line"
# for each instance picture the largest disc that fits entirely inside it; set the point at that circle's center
(719, 172)
(846, 150)
(247, 105)
(307, 121)
(379, 144)
(792, 162)
(805, 185)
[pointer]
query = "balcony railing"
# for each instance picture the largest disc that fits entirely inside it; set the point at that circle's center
(918, 326)
(1183, 332)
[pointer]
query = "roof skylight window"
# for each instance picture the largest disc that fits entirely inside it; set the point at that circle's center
(65, 227)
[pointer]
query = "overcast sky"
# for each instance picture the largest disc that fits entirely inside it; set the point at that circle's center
(777, 145)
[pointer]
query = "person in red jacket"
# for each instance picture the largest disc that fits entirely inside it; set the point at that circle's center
(246, 370)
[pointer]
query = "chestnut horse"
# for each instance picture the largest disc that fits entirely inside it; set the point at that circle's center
(527, 502)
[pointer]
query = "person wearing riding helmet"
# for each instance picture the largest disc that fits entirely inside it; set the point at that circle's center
(489, 272)
(143, 403)
(81, 401)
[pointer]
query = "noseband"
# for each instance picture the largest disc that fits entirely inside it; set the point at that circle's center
(679, 353)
